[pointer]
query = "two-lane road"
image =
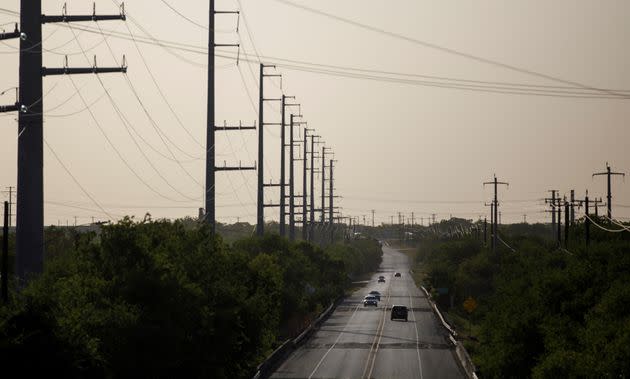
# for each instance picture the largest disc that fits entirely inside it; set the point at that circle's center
(362, 342)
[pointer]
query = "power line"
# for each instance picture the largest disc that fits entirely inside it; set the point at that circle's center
(76, 181)
(507, 88)
(180, 14)
(118, 153)
(135, 142)
(170, 107)
(442, 48)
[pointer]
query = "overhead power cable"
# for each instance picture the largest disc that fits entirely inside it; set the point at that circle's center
(123, 119)
(161, 92)
(180, 14)
(393, 77)
(76, 181)
(444, 49)
(604, 228)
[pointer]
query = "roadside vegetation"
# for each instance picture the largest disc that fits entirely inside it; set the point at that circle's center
(167, 299)
(541, 311)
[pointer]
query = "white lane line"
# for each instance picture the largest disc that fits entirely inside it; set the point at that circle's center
(415, 324)
(380, 334)
(335, 343)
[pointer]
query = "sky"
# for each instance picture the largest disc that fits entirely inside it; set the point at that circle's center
(134, 144)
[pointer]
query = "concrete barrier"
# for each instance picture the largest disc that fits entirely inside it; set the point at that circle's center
(460, 352)
(266, 368)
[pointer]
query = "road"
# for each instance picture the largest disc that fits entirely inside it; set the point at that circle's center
(359, 342)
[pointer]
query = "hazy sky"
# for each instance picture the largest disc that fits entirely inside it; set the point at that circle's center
(400, 146)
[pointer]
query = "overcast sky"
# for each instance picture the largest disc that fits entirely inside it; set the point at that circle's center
(400, 146)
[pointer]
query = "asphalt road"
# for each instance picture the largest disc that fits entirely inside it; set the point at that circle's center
(362, 342)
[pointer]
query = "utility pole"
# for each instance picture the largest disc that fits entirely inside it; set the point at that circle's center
(324, 150)
(608, 174)
(211, 127)
(552, 202)
(587, 221)
(572, 207)
(10, 191)
(597, 203)
(485, 230)
(331, 195)
(304, 184)
(292, 145)
(525, 219)
(5, 254)
(260, 214)
(312, 208)
(491, 205)
(495, 182)
(567, 224)
(30, 183)
(291, 182)
(283, 147)
(559, 206)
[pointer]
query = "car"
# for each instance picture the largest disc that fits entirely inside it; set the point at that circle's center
(376, 294)
(399, 312)
(381, 279)
(397, 275)
(370, 300)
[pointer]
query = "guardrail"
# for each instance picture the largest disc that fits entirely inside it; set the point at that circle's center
(460, 351)
(266, 368)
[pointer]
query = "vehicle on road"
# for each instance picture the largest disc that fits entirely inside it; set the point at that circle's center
(399, 312)
(397, 275)
(370, 300)
(381, 279)
(376, 294)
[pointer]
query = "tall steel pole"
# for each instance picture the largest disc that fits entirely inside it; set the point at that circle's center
(323, 185)
(312, 209)
(30, 181)
(210, 217)
(291, 182)
(282, 168)
(260, 214)
(304, 185)
(331, 208)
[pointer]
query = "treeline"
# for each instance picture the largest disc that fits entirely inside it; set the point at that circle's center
(543, 312)
(164, 299)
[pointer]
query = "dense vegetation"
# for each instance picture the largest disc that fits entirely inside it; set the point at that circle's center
(164, 299)
(543, 312)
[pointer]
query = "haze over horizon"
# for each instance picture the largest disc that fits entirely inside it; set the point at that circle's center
(404, 143)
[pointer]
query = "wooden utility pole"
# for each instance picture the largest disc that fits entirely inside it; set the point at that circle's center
(495, 183)
(609, 174)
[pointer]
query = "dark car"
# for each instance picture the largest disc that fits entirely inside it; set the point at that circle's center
(376, 294)
(381, 279)
(370, 300)
(397, 275)
(399, 312)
